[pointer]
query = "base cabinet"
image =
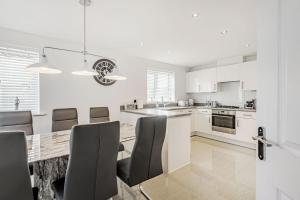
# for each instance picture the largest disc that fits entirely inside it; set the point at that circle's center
(201, 121)
(246, 127)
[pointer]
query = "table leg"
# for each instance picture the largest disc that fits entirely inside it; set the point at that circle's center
(47, 171)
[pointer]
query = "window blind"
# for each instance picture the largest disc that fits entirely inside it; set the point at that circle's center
(160, 85)
(16, 81)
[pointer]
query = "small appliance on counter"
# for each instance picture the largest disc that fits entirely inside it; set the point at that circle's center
(191, 102)
(213, 104)
(182, 103)
(250, 104)
(140, 104)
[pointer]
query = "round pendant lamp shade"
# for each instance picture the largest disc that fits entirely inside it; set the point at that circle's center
(43, 67)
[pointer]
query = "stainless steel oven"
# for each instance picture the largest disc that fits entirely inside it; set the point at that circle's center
(223, 121)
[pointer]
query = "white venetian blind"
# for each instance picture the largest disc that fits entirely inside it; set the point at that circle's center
(15, 81)
(160, 85)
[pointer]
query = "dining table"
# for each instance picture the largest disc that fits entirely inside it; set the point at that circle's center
(49, 153)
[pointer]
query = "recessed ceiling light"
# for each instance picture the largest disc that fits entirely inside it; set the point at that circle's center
(169, 52)
(142, 44)
(195, 15)
(224, 32)
(247, 45)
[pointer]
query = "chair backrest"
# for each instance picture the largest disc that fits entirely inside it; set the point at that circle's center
(16, 121)
(99, 114)
(146, 160)
(64, 119)
(14, 173)
(91, 172)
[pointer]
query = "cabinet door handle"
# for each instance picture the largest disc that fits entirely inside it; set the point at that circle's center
(242, 85)
(237, 123)
(209, 120)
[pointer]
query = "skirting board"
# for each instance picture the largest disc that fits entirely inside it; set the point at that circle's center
(235, 142)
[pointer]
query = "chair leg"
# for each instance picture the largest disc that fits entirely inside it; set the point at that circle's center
(143, 192)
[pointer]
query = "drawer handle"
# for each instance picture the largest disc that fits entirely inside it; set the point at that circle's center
(247, 115)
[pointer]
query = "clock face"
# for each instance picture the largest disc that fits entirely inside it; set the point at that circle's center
(103, 67)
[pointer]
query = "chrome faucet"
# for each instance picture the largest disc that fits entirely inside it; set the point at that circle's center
(17, 103)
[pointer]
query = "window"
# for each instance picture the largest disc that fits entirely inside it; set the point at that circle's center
(16, 82)
(160, 85)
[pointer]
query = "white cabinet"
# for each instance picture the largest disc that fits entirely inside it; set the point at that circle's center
(201, 121)
(201, 81)
(208, 81)
(192, 82)
(245, 126)
(229, 73)
(249, 75)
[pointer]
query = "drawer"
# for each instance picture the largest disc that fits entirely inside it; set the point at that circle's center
(202, 111)
(246, 115)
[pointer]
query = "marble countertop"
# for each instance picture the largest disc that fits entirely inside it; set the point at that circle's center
(56, 144)
(178, 111)
(170, 113)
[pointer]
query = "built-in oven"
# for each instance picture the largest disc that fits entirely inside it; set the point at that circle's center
(223, 121)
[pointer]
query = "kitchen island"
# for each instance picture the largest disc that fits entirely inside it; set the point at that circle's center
(176, 150)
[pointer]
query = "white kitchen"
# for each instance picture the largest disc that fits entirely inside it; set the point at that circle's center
(232, 88)
(160, 99)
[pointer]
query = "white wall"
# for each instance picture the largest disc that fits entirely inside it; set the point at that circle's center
(66, 90)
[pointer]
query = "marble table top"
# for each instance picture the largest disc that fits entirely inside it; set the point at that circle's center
(56, 144)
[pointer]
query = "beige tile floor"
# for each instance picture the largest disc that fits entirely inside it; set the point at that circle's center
(218, 171)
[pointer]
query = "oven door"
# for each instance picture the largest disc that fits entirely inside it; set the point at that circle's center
(223, 123)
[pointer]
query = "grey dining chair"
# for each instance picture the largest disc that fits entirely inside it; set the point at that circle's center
(145, 161)
(64, 119)
(16, 121)
(15, 181)
(101, 114)
(91, 172)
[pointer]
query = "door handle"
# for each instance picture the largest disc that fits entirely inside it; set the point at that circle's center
(262, 140)
(262, 143)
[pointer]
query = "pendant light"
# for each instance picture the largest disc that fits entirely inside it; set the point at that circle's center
(43, 67)
(85, 70)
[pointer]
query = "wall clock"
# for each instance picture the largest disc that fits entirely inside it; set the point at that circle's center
(103, 67)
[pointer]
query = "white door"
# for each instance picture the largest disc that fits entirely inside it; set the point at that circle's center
(278, 176)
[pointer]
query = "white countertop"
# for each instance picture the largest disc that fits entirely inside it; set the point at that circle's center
(161, 111)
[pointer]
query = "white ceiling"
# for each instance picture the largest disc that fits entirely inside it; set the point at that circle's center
(166, 28)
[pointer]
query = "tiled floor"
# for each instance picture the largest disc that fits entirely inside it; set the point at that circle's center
(218, 171)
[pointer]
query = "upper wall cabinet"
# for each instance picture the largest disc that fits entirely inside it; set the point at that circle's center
(201, 81)
(205, 80)
(229, 73)
(192, 82)
(249, 75)
(208, 81)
